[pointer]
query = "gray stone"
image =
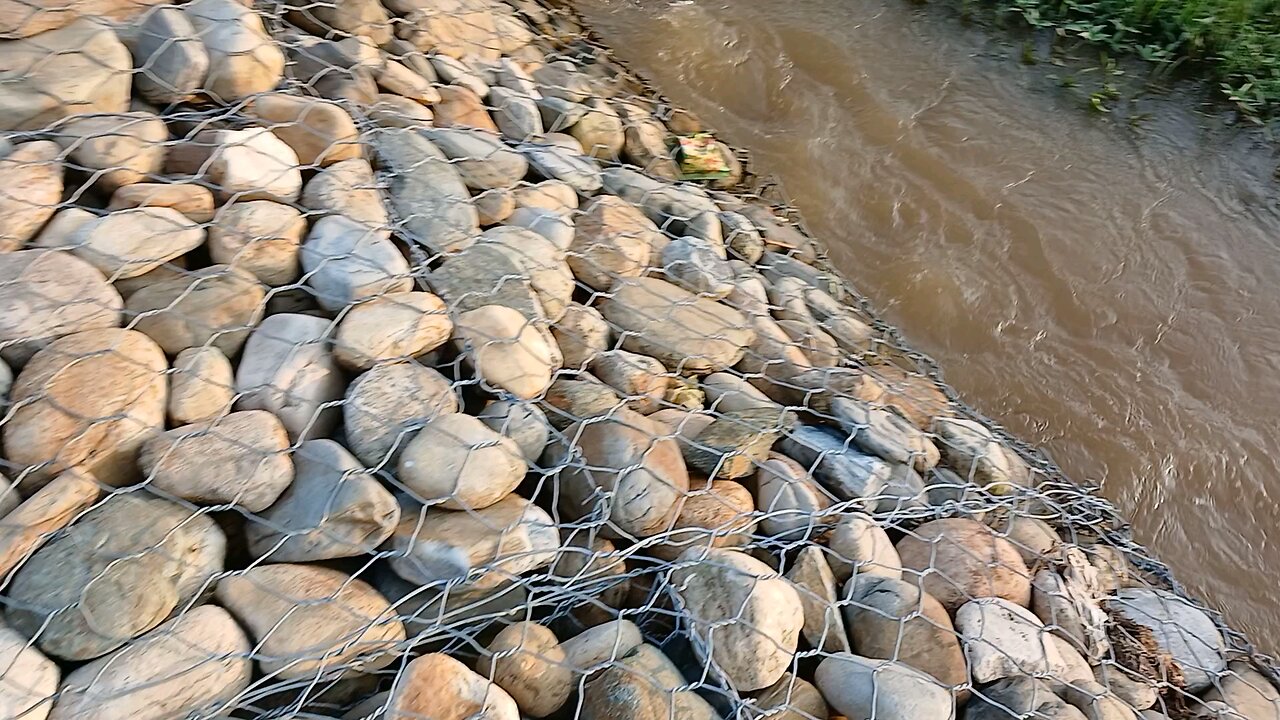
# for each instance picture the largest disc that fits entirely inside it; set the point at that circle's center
(507, 351)
(523, 422)
(79, 68)
(49, 294)
(695, 265)
(792, 698)
(826, 453)
(1019, 697)
(517, 116)
(333, 509)
(455, 72)
(243, 59)
(542, 261)
(894, 619)
(113, 575)
(677, 209)
(483, 161)
(734, 444)
(559, 114)
(562, 79)
(555, 226)
(555, 163)
(859, 546)
(1095, 701)
(486, 274)
(1137, 692)
(859, 687)
(1181, 629)
(428, 196)
(792, 506)
(287, 369)
(238, 459)
(643, 685)
(885, 434)
(346, 261)
(1003, 640)
(385, 406)
(1247, 691)
(509, 75)
(687, 333)
(973, 452)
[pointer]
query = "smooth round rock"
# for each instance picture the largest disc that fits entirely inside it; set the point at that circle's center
(201, 386)
(860, 546)
(597, 646)
(893, 619)
(32, 177)
(858, 687)
(321, 133)
(1002, 640)
(742, 615)
(506, 350)
(457, 461)
(217, 306)
(959, 560)
(345, 261)
(1181, 629)
(347, 188)
(385, 406)
(394, 326)
(288, 370)
(526, 660)
(309, 620)
(612, 239)
(437, 686)
(188, 667)
(171, 59)
(792, 698)
(243, 59)
(791, 504)
(811, 575)
(115, 149)
(117, 572)
(238, 459)
(30, 679)
(721, 515)
(88, 399)
(582, 333)
(193, 201)
(523, 422)
(129, 243)
(333, 509)
(47, 294)
(259, 236)
(687, 333)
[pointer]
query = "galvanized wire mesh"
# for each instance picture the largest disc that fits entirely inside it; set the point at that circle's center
(376, 360)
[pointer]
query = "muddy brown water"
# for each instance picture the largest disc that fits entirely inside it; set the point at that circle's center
(1111, 293)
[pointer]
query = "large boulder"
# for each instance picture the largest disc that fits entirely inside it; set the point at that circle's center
(743, 617)
(88, 399)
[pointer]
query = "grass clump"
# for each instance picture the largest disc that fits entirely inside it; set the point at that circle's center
(1237, 42)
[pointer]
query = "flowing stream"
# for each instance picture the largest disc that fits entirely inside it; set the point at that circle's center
(1107, 291)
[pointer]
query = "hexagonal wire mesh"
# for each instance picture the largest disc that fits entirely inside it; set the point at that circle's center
(377, 360)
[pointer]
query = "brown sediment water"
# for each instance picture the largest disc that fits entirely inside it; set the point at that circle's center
(1111, 293)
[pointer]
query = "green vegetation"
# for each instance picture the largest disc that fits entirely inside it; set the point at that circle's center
(1236, 42)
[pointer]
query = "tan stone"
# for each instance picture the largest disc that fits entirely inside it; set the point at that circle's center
(51, 508)
(31, 178)
(193, 201)
(320, 132)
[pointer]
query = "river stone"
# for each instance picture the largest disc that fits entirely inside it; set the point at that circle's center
(600, 131)
(439, 687)
(643, 685)
(171, 59)
(393, 111)
(260, 237)
(390, 327)
(695, 265)
(526, 660)
(541, 260)
(582, 334)
(1002, 640)
(843, 471)
(613, 239)
(734, 444)
(216, 306)
(523, 422)
(249, 164)
(455, 72)
(494, 206)
(46, 295)
(1131, 688)
(309, 621)
(893, 619)
(1069, 611)
(562, 79)
(860, 547)
(792, 506)
(1244, 689)
(728, 392)
(385, 406)
(641, 380)
(243, 59)
(742, 237)
(559, 115)
(1095, 701)
(824, 628)
(741, 614)
(76, 69)
(482, 160)
(347, 188)
(1180, 628)
(117, 572)
(721, 514)
(623, 469)
(287, 369)
(792, 698)
(577, 397)
(116, 150)
(678, 210)
(128, 243)
(460, 107)
(569, 167)
(647, 142)
(363, 18)
(333, 509)
(87, 399)
(346, 261)
(458, 462)
(28, 526)
(1019, 697)
(959, 560)
(397, 79)
(431, 202)
(238, 459)
(517, 116)
(973, 452)
(885, 434)
(189, 667)
(859, 687)
(485, 546)
(30, 678)
(687, 333)
(507, 351)
(552, 195)
(193, 201)
(593, 648)
(486, 274)
(31, 176)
